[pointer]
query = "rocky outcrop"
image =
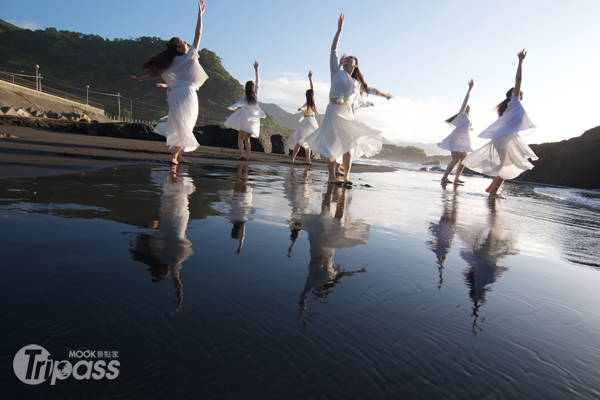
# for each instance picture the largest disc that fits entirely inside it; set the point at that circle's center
(574, 162)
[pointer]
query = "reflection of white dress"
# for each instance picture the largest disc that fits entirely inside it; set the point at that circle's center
(240, 204)
(507, 154)
(308, 124)
(169, 244)
(460, 138)
(184, 77)
(339, 132)
(248, 117)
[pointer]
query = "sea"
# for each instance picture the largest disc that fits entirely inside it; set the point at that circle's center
(229, 281)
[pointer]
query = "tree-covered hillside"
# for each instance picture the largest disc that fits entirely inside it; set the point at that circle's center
(69, 61)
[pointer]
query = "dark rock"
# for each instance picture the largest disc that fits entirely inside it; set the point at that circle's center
(574, 162)
(278, 144)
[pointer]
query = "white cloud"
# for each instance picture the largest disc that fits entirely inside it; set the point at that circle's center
(25, 24)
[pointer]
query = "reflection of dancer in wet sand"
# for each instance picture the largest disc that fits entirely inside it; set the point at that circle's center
(506, 155)
(299, 194)
(443, 232)
(240, 203)
(179, 67)
(459, 141)
(485, 253)
(340, 137)
(308, 123)
(247, 119)
(326, 234)
(166, 249)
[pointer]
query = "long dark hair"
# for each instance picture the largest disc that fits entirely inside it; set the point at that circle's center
(155, 65)
(500, 108)
(310, 100)
(452, 118)
(356, 74)
(250, 95)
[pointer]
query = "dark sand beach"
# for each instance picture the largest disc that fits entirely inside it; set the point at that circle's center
(37, 152)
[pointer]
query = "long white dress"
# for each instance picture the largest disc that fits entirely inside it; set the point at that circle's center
(184, 77)
(248, 117)
(340, 132)
(506, 155)
(460, 138)
(308, 124)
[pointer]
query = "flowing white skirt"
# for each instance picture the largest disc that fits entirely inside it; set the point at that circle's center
(459, 140)
(307, 126)
(183, 113)
(341, 133)
(506, 156)
(241, 121)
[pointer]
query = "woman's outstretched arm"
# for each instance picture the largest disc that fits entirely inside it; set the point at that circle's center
(336, 38)
(134, 78)
(310, 80)
(198, 32)
(256, 81)
(521, 55)
(466, 101)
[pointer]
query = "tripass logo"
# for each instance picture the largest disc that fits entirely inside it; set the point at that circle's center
(33, 365)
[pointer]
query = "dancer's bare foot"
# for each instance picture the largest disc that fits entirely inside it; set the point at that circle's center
(306, 162)
(458, 181)
(174, 161)
(446, 180)
(183, 160)
(489, 189)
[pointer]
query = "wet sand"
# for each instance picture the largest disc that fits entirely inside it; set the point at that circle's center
(38, 152)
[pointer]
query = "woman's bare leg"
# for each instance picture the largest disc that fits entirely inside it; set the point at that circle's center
(347, 164)
(241, 143)
(450, 167)
(331, 169)
(493, 188)
(247, 141)
(296, 150)
(307, 151)
(176, 155)
(460, 167)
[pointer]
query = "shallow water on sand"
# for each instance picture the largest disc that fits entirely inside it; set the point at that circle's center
(263, 282)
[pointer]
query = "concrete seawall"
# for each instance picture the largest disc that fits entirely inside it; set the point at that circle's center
(20, 96)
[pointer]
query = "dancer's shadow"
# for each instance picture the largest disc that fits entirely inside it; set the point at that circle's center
(240, 207)
(328, 231)
(443, 232)
(165, 250)
(485, 251)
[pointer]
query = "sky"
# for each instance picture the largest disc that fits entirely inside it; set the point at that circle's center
(423, 53)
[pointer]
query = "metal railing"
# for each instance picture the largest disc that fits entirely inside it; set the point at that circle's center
(17, 80)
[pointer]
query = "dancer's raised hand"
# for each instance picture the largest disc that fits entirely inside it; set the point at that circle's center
(255, 65)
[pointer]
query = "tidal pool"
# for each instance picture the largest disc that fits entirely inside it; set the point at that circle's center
(226, 282)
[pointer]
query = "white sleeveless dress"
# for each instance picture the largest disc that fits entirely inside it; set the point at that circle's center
(460, 138)
(184, 77)
(506, 155)
(339, 132)
(308, 124)
(247, 118)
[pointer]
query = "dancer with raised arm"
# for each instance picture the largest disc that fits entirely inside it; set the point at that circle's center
(459, 141)
(308, 122)
(507, 155)
(247, 119)
(341, 137)
(183, 74)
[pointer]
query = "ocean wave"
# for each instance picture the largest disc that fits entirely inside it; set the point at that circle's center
(577, 197)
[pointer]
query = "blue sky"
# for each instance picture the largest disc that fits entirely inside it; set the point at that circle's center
(422, 52)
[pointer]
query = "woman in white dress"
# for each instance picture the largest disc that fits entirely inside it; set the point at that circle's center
(308, 122)
(247, 119)
(459, 141)
(340, 136)
(181, 70)
(506, 155)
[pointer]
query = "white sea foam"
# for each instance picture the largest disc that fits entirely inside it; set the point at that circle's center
(577, 197)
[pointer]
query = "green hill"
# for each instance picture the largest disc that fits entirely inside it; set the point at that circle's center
(68, 61)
